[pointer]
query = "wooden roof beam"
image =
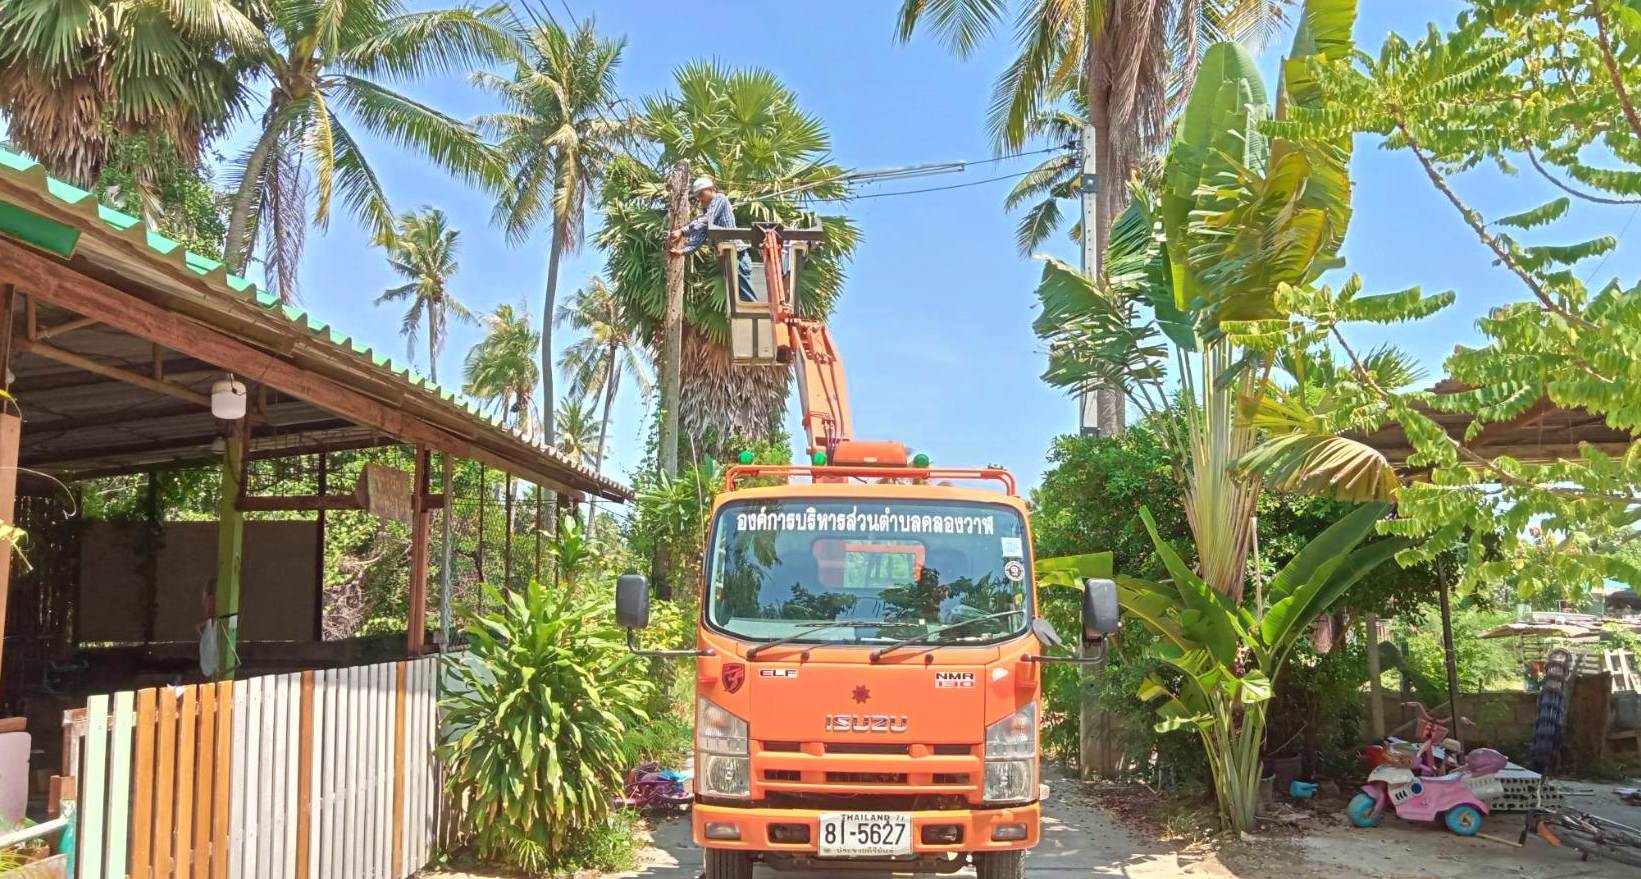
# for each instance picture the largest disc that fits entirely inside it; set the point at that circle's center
(85, 295)
(179, 444)
(43, 333)
(97, 367)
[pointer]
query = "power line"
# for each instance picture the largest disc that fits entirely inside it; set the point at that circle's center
(901, 172)
(1014, 176)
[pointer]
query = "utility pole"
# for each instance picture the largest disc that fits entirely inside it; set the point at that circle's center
(672, 320)
(1089, 422)
(1097, 752)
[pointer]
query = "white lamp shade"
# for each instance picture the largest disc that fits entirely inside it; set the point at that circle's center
(228, 400)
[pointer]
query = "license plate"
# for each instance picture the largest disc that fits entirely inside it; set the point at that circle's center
(864, 834)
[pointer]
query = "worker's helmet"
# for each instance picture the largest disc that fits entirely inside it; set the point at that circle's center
(700, 184)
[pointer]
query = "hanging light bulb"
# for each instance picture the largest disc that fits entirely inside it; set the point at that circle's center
(228, 399)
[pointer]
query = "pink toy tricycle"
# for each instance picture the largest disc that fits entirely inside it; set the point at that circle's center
(1422, 784)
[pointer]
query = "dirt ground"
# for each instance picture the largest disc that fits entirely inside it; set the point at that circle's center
(1082, 837)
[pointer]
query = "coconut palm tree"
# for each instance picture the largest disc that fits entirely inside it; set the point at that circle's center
(555, 136)
(1131, 59)
(1054, 179)
(423, 251)
(501, 369)
(746, 130)
(76, 76)
(606, 350)
(327, 62)
(577, 430)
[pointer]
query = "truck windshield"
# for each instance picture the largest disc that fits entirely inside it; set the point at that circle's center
(900, 569)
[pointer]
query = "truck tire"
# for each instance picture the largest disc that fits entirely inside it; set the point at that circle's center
(723, 864)
(1000, 865)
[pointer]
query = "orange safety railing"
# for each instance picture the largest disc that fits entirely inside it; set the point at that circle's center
(738, 472)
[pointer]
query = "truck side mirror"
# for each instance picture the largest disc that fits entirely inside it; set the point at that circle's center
(632, 601)
(1099, 608)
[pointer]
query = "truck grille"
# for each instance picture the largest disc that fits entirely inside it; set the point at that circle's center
(868, 768)
(865, 778)
(866, 748)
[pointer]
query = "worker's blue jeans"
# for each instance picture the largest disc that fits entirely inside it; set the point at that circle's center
(743, 263)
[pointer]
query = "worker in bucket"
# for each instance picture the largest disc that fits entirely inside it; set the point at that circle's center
(716, 211)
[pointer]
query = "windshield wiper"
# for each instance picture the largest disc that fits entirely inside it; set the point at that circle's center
(809, 629)
(889, 648)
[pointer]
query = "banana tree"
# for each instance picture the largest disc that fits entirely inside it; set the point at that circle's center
(1241, 219)
(1196, 276)
(1228, 657)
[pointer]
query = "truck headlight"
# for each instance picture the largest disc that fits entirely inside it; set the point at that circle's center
(1010, 781)
(720, 776)
(1013, 736)
(723, 766)
(717, 731)
(1011, 757)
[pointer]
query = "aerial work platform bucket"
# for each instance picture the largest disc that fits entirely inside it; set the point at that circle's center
(753, 324)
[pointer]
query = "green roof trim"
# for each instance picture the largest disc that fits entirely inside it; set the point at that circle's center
(46, 234)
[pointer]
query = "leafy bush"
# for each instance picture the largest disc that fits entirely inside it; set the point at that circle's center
(1317, 707)
(540, 718)
(1152, 755)
(1484, 663)
(611, 846)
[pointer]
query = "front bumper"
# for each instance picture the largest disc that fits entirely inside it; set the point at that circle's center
(977, 827)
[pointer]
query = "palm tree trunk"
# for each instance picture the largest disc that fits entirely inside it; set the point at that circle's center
(554, 249)
(612, 375)
(234, 252)
(432, 344)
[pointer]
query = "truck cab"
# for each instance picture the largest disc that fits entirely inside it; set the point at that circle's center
(868, 676)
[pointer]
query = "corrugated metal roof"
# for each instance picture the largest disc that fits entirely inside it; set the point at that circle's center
(18, 221)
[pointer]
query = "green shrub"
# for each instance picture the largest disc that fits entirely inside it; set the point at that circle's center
(1484, 663)
(1317, 708)
(1151, 755)
(611, 846)
(540, 717)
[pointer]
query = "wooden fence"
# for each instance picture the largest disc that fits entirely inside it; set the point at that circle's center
(313, 775)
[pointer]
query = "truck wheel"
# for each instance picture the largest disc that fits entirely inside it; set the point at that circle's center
(1000, 865)
(723, 864)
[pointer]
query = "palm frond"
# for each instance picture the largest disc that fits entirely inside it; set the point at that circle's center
(962, 24)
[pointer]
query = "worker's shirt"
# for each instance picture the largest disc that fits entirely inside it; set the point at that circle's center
(719, 214)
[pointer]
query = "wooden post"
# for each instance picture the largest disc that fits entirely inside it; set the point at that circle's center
(230, 551)
(444, 552)
(416, 630)
(507, 540)
(1452, 665)
(319, 560)
(672, 320)
(11, 432)
(536, 568)
(478, 556)
(1376, 705)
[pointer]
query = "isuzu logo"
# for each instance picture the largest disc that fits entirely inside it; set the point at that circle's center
(867, 723)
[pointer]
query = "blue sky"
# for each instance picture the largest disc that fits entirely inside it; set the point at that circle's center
(935, 323)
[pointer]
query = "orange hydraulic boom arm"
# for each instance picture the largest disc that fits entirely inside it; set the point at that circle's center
(823, 390)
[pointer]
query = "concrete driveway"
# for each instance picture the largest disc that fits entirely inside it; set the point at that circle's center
(1080, 839)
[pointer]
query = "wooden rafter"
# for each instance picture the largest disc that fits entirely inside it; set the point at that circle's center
(97, 367)
(40, 334)
(87, 296)
(264, 503)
